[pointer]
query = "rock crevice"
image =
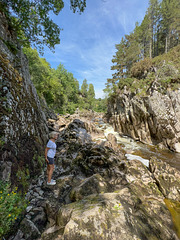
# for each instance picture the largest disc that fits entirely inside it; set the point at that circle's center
(154, 119)
(22, 122)
(100, 195)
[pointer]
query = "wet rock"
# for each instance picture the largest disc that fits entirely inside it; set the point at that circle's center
(112, 143)
(111, 138)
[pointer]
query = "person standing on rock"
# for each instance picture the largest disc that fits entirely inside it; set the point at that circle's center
(50, 152)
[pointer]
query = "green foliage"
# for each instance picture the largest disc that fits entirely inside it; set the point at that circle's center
(100, 105)
(91, 96)
(2, 142)
(170, 12)
(125, 82)
(117, 206)
(141, 51)
(10, 46)
(78, 5)
(59, 87)
(172, 57)
(22, 178)
(31, 20)
(84, 88)
(40, 161)
(12, 204)
(167, 73)
(141, 68)
(168, 66)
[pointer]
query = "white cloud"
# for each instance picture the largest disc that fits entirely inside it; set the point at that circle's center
(88, 40)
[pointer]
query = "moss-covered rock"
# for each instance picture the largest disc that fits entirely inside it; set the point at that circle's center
(22, 122)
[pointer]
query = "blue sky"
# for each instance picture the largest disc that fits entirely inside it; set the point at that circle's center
(88, 40)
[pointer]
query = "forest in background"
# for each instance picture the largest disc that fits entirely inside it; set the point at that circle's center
(59, 88)
(136, 64)
(139, 60)
(145, 50)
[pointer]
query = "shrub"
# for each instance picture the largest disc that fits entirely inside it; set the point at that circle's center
(141, 68)
(12, 204)
(126, 82)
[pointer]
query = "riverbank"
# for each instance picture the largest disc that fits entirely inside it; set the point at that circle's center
(99, 193)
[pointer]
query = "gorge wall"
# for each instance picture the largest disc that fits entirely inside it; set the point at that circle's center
(22, 121)
(154, 119)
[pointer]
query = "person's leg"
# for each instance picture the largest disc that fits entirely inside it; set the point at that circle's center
(50, 172)
(48, 169)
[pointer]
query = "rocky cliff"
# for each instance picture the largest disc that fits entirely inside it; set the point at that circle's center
(22, 121)
(154, 119)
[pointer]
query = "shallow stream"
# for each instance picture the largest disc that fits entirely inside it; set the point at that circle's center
(140, 151)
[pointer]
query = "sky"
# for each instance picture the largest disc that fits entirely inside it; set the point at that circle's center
(87, 41)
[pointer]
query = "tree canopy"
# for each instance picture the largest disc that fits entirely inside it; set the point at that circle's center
(59, 88)
(31, 20)
(157, 34)
(84, 88)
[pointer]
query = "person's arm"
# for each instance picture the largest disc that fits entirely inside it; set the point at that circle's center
(46, 150)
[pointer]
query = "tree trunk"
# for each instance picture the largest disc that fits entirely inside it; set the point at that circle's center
(150, 49)
(166, 45)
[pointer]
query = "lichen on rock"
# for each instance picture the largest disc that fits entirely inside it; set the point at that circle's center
(22, 121)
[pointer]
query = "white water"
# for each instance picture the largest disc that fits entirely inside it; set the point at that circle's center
(135, 157)
(139, 151)
(128, 143)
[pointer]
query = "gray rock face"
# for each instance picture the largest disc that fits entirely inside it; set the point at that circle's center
(100, 195)
(154, 119)
(22, 121)
(167, 178)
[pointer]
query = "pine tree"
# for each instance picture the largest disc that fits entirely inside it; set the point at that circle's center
(132, 51)
(170, 11)
(119, 65)
(84, 88)
(91, 95)
(153, 15)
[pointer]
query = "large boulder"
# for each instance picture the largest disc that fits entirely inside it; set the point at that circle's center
(134, 210)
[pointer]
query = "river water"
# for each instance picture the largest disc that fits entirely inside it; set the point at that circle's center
(140, 151)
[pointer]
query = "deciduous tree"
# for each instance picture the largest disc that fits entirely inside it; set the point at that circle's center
(31, 20)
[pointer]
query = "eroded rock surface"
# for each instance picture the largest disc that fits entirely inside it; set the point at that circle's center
(99, 195)
(22, 122)
(154, 119)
